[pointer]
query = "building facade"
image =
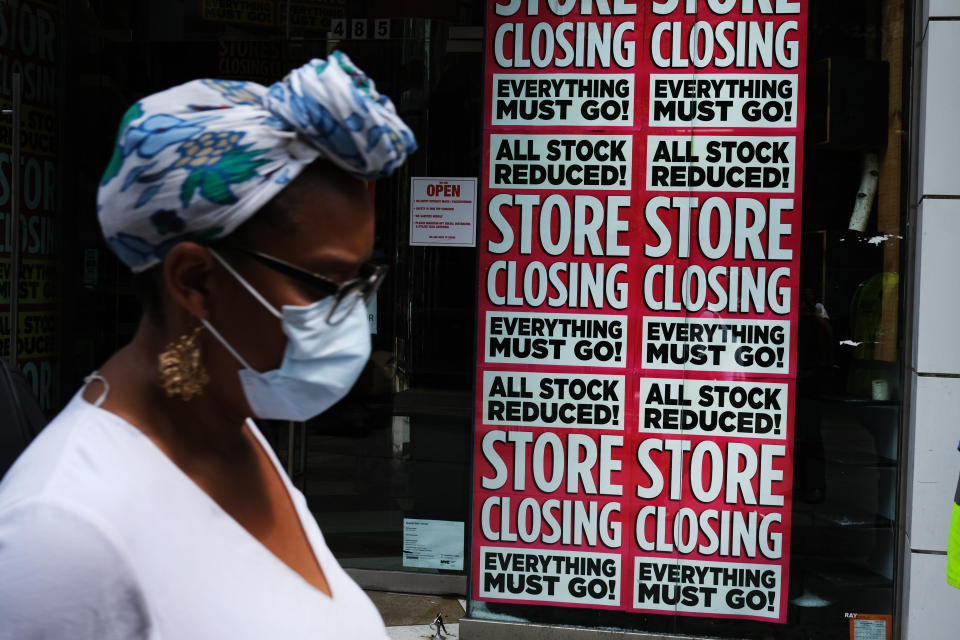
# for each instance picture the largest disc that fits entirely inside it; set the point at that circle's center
(850, 539)
(932, 469)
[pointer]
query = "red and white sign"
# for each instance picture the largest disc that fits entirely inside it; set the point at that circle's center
(443, 212)
(640, 243)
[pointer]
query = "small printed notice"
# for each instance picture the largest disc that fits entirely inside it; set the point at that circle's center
(869, 627)
(870, 630)
(433, 544)
(443, 212)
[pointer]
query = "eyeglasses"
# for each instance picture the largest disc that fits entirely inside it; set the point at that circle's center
(346, 294)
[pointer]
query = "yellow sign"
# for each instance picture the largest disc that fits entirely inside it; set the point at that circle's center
(38, 281)
(37, 335)
(243, 11)
(313, 16)
(38, 130)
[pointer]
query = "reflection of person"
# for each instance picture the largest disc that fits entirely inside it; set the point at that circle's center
(150, 507)
(438, 625)
(815, 376)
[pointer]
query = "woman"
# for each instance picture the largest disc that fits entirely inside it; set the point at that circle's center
(152, 507)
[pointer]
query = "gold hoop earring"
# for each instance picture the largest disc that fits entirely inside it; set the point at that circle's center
(181, 367)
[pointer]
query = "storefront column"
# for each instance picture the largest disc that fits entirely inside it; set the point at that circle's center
(930, 605)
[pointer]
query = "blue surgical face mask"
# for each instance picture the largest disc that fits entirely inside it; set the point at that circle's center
(320, 364)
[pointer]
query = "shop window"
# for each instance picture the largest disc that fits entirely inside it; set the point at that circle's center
(797, 536)
(399, 449)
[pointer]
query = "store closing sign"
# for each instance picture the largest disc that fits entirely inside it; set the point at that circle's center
(640, 219)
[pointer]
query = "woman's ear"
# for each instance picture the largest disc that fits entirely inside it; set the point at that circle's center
(187, 271)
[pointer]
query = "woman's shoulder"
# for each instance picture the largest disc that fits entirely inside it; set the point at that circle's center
(60, 535)
(79, 457)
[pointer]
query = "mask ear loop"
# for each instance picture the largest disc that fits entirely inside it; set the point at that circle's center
(246, 285)
(226, 345)
(256, 294)
(106, 387)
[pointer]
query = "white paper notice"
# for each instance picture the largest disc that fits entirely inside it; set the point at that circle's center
(433, 544)
(870, 630)
(443, 212)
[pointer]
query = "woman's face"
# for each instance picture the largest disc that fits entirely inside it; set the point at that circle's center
(326, 226)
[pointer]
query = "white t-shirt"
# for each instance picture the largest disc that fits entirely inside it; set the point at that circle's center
(102, 537)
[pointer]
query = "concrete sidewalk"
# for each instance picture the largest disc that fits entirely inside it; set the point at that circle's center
(421, 632)
(408, 616)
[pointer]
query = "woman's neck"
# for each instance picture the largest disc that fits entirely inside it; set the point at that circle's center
(204, 426)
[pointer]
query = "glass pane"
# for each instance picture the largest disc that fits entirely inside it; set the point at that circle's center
(844, 400)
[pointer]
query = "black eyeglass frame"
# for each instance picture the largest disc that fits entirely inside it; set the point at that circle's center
(368, 280)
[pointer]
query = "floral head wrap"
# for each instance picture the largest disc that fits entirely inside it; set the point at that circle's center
(196, 161)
